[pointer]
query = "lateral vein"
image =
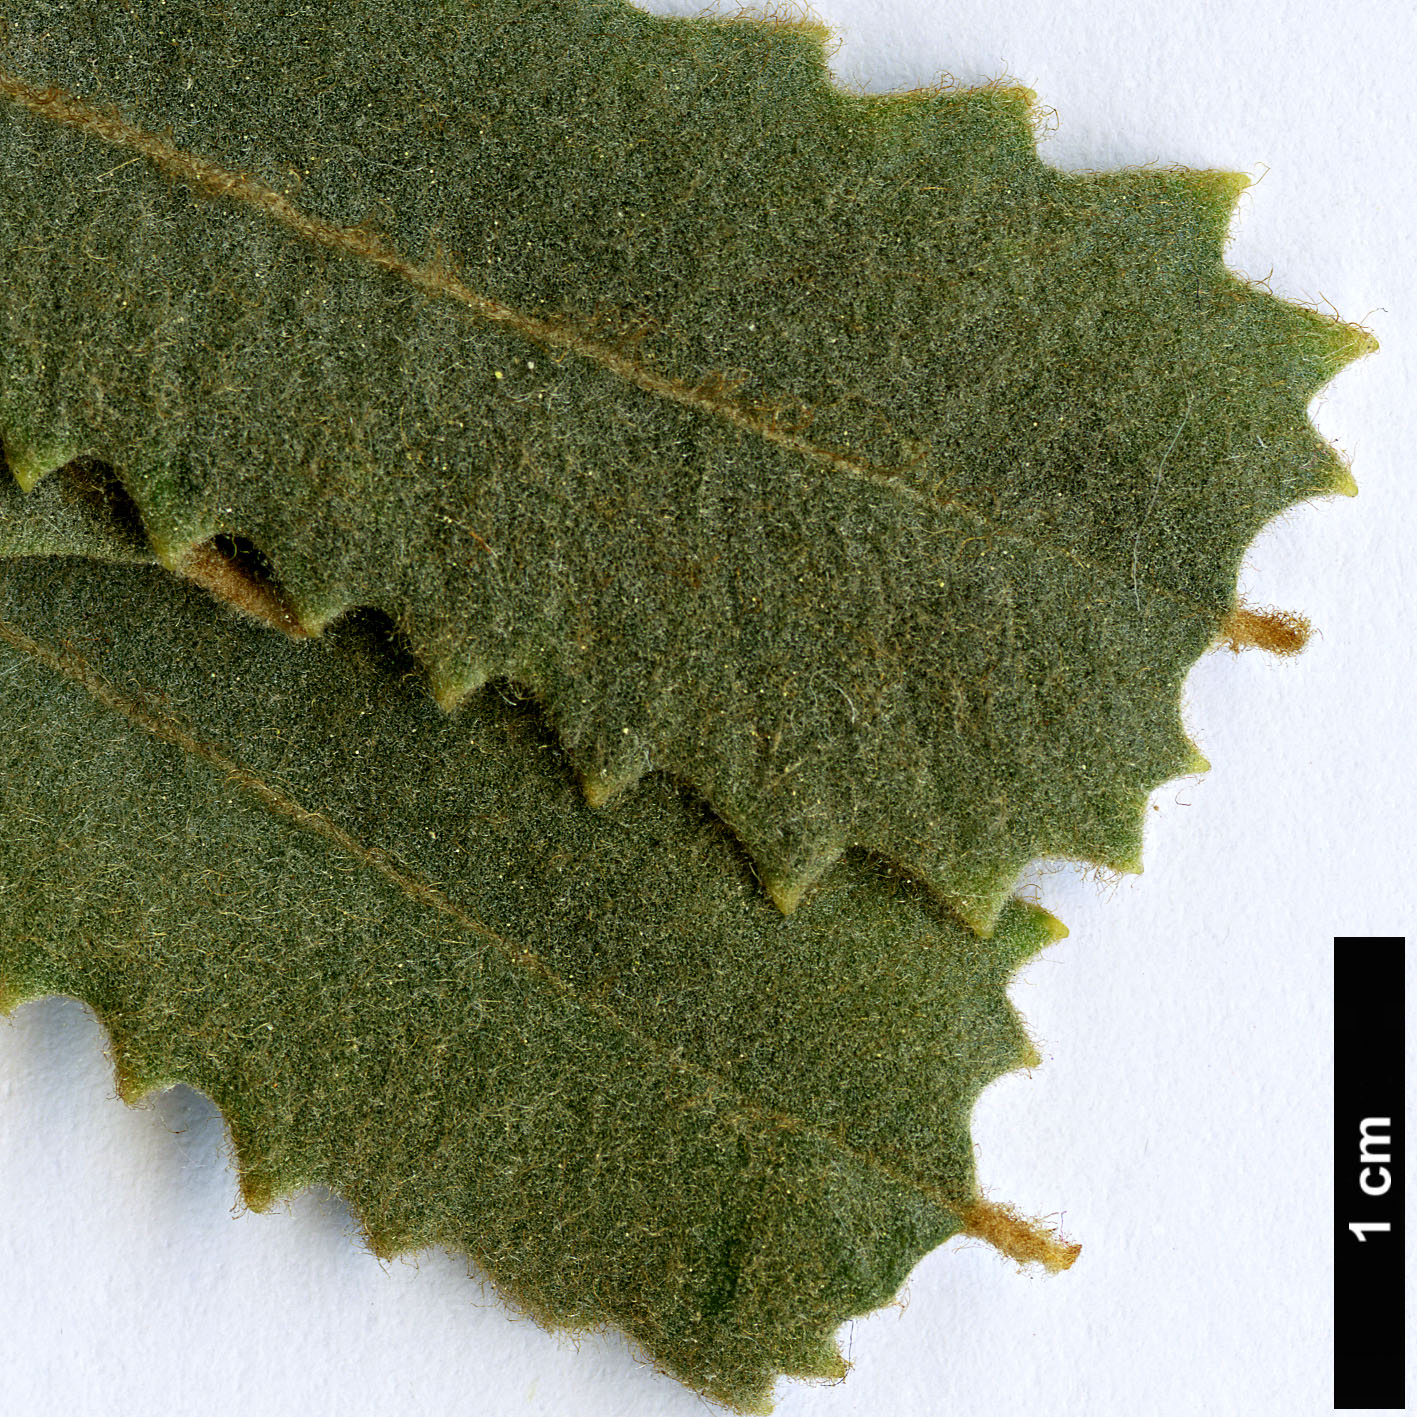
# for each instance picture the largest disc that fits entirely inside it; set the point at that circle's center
(53, 103)
(170, 730)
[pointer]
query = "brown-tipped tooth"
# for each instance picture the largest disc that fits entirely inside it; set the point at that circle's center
(206, 564)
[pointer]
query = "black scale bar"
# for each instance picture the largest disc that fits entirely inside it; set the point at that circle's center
(1368, 1125)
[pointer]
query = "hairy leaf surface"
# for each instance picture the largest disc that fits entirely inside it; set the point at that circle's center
(832, 453)
(410, 963)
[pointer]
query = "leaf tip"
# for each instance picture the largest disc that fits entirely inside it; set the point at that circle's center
(1282, 632)
(1023, 1240)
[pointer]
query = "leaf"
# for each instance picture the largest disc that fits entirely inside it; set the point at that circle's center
(831, 453)
(85, 513)
(409, 963)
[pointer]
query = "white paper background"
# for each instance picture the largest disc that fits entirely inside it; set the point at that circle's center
(1181, 1118)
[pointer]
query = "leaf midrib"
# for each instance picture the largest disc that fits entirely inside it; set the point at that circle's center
(168, 729)
(55, 104)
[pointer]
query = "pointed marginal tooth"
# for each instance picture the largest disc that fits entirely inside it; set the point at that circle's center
(133, 1081)
(385, 1248)
(1337, 345)
(796, 25)
(1215, 192)
(1128, 862)
(1326, 471)
(821, 1362)
(211, 568)
(1014, 114)
(1020, 102)
(982, 899)
(133, 1088)
(603, 785)
(1318, 346)
(1123, 849)
(314, 622)
(980, 913)
(1181, 760)
(259, 1189)
(451, 682)
(787, 887)
(13, 994)
(1195, 762)
(30, 463)
(315, 613)
(173, 548)
(1024, 929)
(786, 892)
(388, 1236)
(1338, 478)
(1344, 342)
(1053, 929)
(1188, 205)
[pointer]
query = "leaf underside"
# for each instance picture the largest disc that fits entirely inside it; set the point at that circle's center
(411, 964)
(831, 453)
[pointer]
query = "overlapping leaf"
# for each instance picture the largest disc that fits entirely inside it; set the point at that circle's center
(411, 964)
(831, 453)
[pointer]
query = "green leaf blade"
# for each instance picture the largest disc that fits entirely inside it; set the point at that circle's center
(410, 964)
(831, 454)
